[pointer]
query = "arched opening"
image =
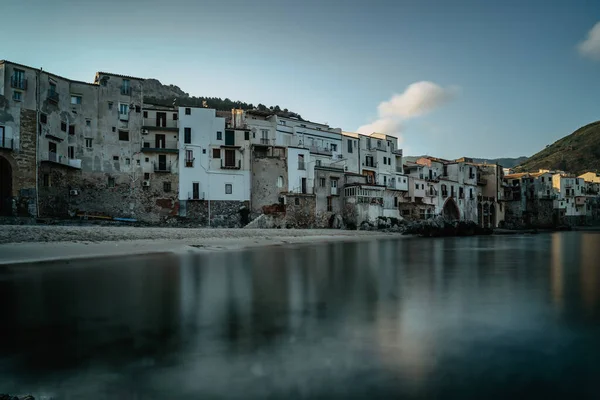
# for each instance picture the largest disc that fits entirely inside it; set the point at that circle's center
(5, 187)
(450, 210)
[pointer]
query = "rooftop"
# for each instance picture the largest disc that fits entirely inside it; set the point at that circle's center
(117, 75)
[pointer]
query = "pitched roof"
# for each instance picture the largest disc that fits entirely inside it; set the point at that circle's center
(517, 175)
(118, 75)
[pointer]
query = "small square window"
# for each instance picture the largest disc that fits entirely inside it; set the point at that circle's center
(124, 135)
(75, 99)
(114, 128)
(216, 153)
(88, 122)
(174, 116)
(145, 114)
(219, 135)
(88, 143)
(110, 105)
(17, 96)
(115, 158)
(138, 162)
(147, 159)
(138, 109)
(146, 176)
(188, 111)
(203, 151)
(43, 118)
(127, 161)
(63, 126)
(167, 186)
(228, 188)
(111, 182)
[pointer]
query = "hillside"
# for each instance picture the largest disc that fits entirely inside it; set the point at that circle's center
(577, 153)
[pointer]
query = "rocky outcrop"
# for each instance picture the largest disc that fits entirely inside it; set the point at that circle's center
(438, 226)
(154, 89)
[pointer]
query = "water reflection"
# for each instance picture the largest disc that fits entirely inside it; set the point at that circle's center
(411, 317)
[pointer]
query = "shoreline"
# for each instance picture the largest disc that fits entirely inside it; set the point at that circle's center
(200, 241)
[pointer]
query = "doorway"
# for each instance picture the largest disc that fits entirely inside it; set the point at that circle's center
(5, 187)
(162, 162)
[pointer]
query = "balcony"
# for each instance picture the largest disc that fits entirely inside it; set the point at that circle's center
(168, 146)
(52, 96)
(196, 196)
(231, 165)
(163, 124)
(481, 181)
(397, 152)
(6, 143)
(301, 165)
(429, 193)
(319, 150)
(162, 167)
(265, 141)
(444, 194)
(399, 169)
(58, 159)
(126, 90)
(18, 83)
(189, 163)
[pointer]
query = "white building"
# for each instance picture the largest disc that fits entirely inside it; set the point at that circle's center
(213, 160)
(571, 195)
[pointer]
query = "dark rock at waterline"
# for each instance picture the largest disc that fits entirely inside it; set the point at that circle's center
(9, 397)
(438, 226)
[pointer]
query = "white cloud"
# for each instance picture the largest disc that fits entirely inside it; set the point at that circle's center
(418, 99)
(590, 47)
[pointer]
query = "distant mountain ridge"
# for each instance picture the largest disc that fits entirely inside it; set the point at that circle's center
(577, 153)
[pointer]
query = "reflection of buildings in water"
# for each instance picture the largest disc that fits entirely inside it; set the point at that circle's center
(557, 271)
(590, 269)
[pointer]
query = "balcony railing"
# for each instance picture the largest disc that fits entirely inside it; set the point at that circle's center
(444, 194)
(397, 152)
(264, 141)
(126, 90)
(168, 146)
(52, 96)
(319, 150)
(6, 142)
(18, 83)
(228, 165)
(162, 167)
(301, 165)
(59, 159)
(399, 169)
(196, 196)
(167, 124)
(189, 163)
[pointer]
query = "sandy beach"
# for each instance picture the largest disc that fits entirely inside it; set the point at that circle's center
(24, 244)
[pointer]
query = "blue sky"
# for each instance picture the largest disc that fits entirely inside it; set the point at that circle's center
(512, 70)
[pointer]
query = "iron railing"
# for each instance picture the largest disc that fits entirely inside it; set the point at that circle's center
(52, 96)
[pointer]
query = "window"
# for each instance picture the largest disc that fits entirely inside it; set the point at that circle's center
(174, 116)
(43, 118)
(110, 105)
(385, 180)
(146, 176)
(127, 161)
(145, 114)
(297, 201)
(280, 181)
(46, 179)
(395, 202)
(416, 186)
(196, 190)
(333, 147)
(203, 151)
(137, 109)
(71, 152)
(189, 158)
(301, 165)
(123, 109)
(188, 111)
(17, 96)
(88, 122)
(329, 204)
(63, 126)
(126, 87)
(349, 146)
(75, 99)
(111, 182)
(219, 135)
(369, 161)
(147, 159)
(166, 186)
(246, 135)
(318, 163)
(115, 158)
(187, 135)
(406, 212)
(71, 129)
(216, 153)
(124, 135)
(88, 143)
(114, 128)
(322, 182)
(228, 188)
(138, 162)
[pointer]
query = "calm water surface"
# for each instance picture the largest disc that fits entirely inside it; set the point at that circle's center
(483, 317)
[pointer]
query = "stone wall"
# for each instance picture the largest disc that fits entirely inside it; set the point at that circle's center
(300, 210)
(268, 169)
(223, 213)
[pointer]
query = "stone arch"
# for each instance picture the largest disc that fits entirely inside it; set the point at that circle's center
(6, 186)
(450, 210)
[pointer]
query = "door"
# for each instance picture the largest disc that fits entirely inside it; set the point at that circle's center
(5, 187)
(195, 190)
(52, 151)
(334, 185)
(161, 119)
(230, 158)
(162, 162)
(160, 141)
(304, 185)
(229, 138)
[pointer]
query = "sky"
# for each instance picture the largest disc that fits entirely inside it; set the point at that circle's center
(450, 78)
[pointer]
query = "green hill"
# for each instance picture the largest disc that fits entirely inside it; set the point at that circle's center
(577, 153)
